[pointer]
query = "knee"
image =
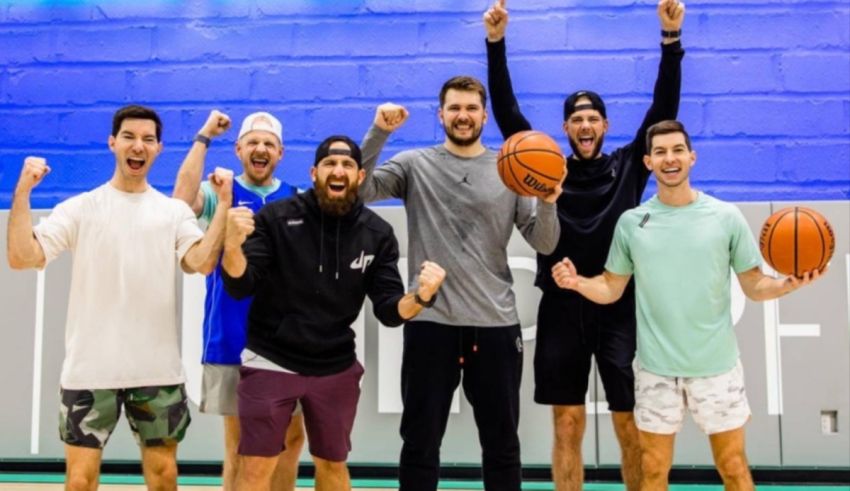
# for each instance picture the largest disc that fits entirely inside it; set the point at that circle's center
(653, 466)
(329, 466)
(569, 430)
(165, 471)
(733, 467)
(295, 439)
(80, 481)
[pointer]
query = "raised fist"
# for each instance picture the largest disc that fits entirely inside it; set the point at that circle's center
(33, 171)
(240, 224)
(216, 124)
(671, 13)
(389, 117)
(221, 180)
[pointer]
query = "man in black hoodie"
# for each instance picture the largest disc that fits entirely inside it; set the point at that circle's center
(310, 261)
(597, 190)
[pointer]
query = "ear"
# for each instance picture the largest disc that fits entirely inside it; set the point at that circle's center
(313, 174)
(280, 154)
(565, 126)
(361, 175)
(693, 157)
(605, 126)
(484, 120)
(159, 147)
(237, 148)
(647, 162)
(440, 116)
(111, 143)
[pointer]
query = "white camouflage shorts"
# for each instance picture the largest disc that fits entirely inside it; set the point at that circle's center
(717, 403)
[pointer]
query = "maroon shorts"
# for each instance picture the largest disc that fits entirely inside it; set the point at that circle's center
(267, 399)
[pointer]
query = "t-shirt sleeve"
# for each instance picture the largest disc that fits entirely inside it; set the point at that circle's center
(210, 203)
(58, 231)
(188, 231)
(744, 252)
(620, 254)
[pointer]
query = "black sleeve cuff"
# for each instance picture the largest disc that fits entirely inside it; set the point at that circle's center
(387, 312)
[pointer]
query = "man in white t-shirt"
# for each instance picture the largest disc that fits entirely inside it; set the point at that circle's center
(121, 338)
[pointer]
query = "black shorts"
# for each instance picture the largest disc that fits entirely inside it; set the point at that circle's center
(571, 329)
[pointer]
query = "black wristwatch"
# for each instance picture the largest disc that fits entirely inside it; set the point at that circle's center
(423, 303)
(202, 139)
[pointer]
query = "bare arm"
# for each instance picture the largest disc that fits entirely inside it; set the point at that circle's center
(203, 256)
(23, 250)
(759, 287)
(602, 289)
(431, 276)
(187, 187)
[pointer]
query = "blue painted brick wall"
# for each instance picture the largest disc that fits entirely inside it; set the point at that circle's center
(766, 91)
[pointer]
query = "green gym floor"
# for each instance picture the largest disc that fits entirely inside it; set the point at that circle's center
(53, 482)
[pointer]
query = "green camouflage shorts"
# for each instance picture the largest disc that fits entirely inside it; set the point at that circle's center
(157, 415)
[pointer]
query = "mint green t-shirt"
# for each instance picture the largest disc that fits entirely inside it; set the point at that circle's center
(680, 258)
(211, 199)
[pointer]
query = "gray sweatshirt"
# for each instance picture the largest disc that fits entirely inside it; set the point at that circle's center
(461, 216)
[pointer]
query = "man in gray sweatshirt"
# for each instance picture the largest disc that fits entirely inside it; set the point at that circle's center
(460, 215)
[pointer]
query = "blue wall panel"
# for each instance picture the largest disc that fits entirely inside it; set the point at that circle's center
(766, 89)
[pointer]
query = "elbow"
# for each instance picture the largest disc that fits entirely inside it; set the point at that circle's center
(18, 262)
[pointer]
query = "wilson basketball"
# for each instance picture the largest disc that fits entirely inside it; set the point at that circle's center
(530, 163)
(797, 239)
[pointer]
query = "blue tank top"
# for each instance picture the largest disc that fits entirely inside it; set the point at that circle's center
(225, 318)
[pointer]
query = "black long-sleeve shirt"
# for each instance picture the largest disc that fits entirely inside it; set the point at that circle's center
(598, 191)
(309, 274)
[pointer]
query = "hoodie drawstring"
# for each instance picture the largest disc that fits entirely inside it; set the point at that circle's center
(321, 242)
(337, 249)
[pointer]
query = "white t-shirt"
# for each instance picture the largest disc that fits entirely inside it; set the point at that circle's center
(121, 328)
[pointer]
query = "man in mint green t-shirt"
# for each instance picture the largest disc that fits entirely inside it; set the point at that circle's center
(680, 246)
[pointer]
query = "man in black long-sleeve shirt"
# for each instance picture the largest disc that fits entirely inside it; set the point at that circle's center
(598, 188)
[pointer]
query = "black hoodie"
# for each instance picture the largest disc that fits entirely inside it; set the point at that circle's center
(309, 274)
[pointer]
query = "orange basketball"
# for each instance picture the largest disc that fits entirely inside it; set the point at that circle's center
(797, 239)
(530, 163)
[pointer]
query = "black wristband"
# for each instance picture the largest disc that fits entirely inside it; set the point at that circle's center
(671, 34)
(423, 303)
(202, 139)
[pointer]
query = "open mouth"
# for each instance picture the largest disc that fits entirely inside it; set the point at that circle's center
(671, 171)
(135, 164)
(259, 163)
(336, 187)
(585, 143)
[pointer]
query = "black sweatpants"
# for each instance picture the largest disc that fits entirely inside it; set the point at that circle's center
(431, 370)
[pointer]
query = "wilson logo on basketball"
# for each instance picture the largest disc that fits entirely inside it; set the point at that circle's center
(536, 185)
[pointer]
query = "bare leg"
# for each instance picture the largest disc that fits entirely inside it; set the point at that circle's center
(331, 476)
(230, 465)
(567, 462)
(730, 458)
(627, 435)
(159, 465)
(656, 460)
(82, 468)
(286, 471)
(255, 473)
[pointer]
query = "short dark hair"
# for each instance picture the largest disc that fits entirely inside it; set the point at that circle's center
(324, 149)
(464, 83)
(665, 128)
(135, 111)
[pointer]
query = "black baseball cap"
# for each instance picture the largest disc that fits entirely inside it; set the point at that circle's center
(595, 103)
(325, 149)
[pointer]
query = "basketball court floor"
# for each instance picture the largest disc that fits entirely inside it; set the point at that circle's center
(53, 482)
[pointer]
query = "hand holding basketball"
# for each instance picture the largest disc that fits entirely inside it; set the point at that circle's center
(797, 240)
(389, 117)
(216, 124)
(32, 173)
(531, 163)
(496, 21)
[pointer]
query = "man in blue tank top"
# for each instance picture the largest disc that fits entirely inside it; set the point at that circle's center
(259, 147)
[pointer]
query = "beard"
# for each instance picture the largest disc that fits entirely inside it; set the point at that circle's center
(336, 205)
(596, 148)
(463, 142)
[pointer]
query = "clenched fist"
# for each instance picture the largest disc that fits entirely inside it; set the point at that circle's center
(389, 117)
(221, 181)
(565, 275)
(240, 224)
(431, 276)
(32, 173)
(216, 124)
(671, 13)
